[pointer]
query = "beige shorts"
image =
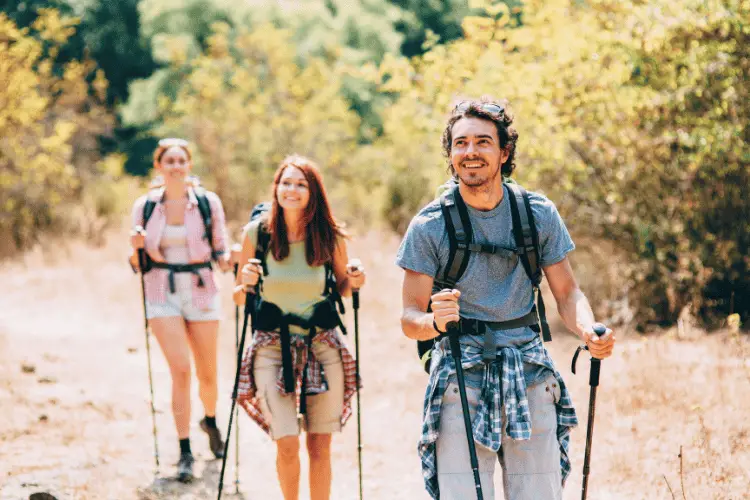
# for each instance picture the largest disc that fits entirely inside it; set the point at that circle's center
(531, 468)
(323, 410)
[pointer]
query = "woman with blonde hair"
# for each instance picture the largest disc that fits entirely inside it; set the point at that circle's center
(182, 229)
(297, 362)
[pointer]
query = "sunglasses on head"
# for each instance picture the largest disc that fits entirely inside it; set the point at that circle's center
(487, 107)
(171, 141)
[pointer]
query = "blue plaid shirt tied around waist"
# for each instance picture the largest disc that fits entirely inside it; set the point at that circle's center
(507, 375)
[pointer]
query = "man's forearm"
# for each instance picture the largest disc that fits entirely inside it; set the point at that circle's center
(576, 312)
(417, 325)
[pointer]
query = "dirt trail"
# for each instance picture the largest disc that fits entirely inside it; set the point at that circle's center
(76, 419)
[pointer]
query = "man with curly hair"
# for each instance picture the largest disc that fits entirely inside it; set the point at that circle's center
(520, 410)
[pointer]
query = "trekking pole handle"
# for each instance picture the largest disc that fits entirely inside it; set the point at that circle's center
(141, 259)
(354, 265)
(596, 363)
(453, 330)
(234, 257)
(138, 230)
(599, 329)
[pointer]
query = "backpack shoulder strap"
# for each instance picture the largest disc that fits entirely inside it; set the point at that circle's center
(527, 243)
(262, 244)
(150, 205)
(524, 232)
(148, 210)
(204, 207)
(458, 227)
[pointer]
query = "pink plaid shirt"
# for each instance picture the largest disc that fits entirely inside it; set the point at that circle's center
(156, 281)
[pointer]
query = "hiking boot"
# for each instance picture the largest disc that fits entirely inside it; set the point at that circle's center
(214, 439)
(185, 467)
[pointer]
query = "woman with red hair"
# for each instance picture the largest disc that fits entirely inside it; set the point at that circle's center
(297, 362)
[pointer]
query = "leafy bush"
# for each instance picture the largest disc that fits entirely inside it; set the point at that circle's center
(246, 103)
(49, 122)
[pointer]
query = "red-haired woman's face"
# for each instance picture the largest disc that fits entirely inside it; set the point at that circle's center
(174, 164)
(293, 191)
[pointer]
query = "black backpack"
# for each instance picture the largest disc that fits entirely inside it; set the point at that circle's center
(462, 245)
(204, 207)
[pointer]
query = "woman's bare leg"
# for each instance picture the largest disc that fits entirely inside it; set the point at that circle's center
(287, 466)
(319, 450)
(202, 336)
(171, 334)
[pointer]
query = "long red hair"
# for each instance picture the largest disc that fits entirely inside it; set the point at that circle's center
(321, 229)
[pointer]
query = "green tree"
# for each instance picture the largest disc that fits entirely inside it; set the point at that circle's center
(633, 117)
(51, 175)
(111, 32)
(25, 12)
(353, 34)
(247, 102)
(441, 17)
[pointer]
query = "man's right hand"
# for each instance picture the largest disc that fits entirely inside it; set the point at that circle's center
(445, 308)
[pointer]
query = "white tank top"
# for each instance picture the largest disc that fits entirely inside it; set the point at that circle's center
(173, 246)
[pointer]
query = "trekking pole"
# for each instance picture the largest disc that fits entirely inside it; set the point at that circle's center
(249, 300)
(600, 330)
(141, 266)
(235, 256)
(453, 333)
(355, 306)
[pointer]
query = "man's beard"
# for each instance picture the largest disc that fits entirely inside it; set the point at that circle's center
(478, 182)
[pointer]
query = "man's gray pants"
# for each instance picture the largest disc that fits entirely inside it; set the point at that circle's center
(531, 468)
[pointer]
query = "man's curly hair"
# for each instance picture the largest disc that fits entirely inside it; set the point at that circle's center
(503, 121)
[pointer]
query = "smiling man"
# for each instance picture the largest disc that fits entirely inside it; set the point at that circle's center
(519, 407)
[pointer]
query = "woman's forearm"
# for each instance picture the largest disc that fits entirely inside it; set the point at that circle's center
(344, 288)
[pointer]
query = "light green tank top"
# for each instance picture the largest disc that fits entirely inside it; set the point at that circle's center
(291, 284)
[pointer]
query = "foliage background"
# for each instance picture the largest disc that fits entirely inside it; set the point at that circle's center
(633, 118)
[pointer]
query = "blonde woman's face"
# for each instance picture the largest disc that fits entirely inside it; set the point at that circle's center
(175, 164)
(293, 192)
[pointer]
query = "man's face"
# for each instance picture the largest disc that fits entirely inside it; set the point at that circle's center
(476, 155)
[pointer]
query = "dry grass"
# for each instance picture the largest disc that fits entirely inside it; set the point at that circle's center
(670, 392)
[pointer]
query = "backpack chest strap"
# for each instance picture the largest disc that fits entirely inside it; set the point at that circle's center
(486, 328)
(508, 253)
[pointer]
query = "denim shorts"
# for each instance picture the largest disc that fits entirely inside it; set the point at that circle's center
(181, 304)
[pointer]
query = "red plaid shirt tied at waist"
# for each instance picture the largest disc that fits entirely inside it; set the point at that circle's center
(306, 366)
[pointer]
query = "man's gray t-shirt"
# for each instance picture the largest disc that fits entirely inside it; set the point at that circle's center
(493, 288)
